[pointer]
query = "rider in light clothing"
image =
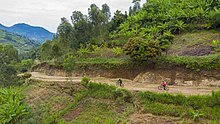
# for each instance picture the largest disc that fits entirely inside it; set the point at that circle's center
(164, 83)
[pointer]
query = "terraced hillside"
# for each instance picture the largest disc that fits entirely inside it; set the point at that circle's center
(21, 43)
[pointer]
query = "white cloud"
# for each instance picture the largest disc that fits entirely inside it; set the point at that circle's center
(47, 13)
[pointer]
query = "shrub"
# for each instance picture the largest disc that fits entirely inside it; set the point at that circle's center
(216, 19)
(83, 51)
(216, 45)
(12, 107)
(23, 70)
(196, 115)
(140, 49)
(85, 81)
(27, 63)
(117, 50)
(69, 63)
(27, 75)
(59, 61)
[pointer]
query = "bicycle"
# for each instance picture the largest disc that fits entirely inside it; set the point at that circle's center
(162, 88)
(119, 84)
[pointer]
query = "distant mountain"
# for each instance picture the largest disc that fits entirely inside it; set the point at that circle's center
(21, 43)
(2, 27)
(32, 32)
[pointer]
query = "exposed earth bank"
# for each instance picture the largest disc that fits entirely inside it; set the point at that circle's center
(142, 74)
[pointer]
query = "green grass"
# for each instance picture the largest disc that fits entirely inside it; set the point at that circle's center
(183, 41)
(101, 60)
(193, 107)
(97, 112)
(209, 62)
(102, 103)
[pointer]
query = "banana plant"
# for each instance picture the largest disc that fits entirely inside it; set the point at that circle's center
(12, 106)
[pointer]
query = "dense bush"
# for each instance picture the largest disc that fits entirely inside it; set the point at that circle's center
(117, 50)
(216, 45)
(216, 19)
(85, 81)
(140, 49)
(69, 63)
(12, 106)
(26, 75)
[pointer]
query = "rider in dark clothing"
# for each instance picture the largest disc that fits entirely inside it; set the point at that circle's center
(120, 82)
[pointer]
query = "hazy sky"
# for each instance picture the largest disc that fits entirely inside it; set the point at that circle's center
(47, 13)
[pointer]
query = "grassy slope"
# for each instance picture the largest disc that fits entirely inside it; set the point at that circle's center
(19, 42)
(94, 103)
(74, 103)
(197, 41)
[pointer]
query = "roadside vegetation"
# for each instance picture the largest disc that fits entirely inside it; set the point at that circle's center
(91, 102)
(200, 108)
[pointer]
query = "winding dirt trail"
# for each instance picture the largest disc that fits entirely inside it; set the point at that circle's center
(132, 86)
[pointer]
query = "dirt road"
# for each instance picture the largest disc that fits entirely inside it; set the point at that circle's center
(187, 90)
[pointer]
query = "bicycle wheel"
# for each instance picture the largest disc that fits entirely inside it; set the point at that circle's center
(166, 88)
(160, 87)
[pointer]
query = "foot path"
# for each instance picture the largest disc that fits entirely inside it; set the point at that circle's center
(128, 84)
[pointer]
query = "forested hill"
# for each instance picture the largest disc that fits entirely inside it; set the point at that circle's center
(21, 43)
(34, 33)
(157, 30)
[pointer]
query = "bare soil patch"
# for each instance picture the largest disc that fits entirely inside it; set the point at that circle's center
(74, 113)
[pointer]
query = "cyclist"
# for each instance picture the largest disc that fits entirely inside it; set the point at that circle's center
(120, 82)
(164, 83)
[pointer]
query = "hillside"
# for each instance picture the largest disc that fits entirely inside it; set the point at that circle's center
(21, 43)
(34, 33)
(197, 43)
(70, 102)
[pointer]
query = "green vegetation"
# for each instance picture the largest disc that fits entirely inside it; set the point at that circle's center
(194, 107)
(216, 45)
(158, 28)
(164, 33)
(19, 42)
(8, 57)
(90, 102)
(12, 106)
(10, 65)
(210, 62)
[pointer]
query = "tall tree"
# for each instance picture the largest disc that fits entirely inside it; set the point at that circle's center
(65, 34)
(8, 73)
(117, 19)
(99, 19)
(82, 28)
(46, 50)
(136, 7)
(106, 12)
(94, 15)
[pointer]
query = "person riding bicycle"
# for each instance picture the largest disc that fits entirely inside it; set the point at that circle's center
(164, 83)
(120, 82)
